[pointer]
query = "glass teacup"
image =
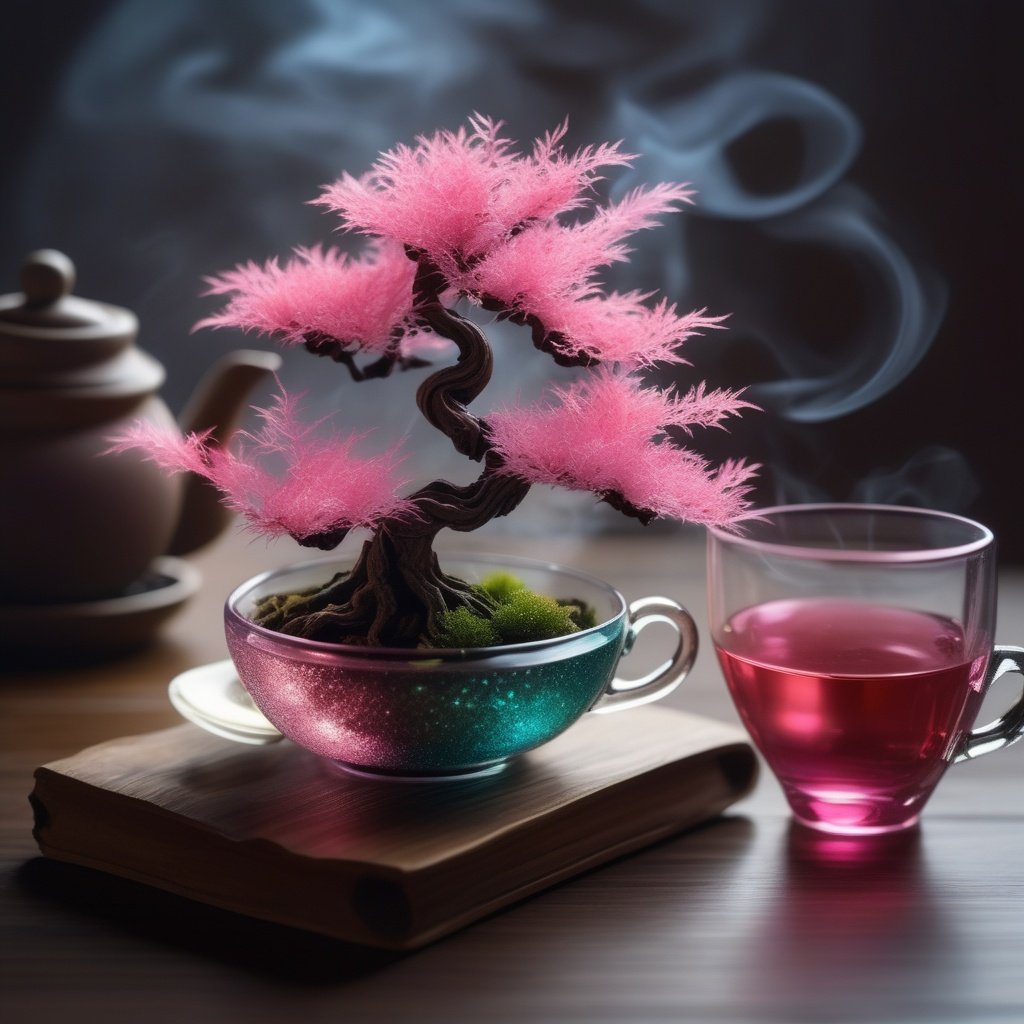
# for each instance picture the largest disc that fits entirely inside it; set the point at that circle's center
(857, 644)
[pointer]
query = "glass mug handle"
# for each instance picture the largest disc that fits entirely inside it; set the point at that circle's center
(1008, 729)
(627, 693)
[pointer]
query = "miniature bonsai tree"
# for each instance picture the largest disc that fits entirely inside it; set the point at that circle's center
(462, 216)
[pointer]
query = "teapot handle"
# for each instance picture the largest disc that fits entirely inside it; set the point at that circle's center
(218, 404)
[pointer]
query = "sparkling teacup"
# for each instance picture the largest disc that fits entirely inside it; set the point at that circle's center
(428, 712)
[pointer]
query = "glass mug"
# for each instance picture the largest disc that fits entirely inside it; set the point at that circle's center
(857, 645)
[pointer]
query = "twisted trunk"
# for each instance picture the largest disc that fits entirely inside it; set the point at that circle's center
(396, 591)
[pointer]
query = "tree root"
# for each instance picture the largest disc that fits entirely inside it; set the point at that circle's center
(396, 592)
(392, 597)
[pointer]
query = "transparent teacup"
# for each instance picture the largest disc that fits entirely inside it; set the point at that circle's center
(428, 713)
(857, 645)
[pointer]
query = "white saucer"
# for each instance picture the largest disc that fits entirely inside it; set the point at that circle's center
(211, 697)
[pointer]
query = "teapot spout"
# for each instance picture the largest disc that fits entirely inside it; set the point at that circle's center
(217, 403)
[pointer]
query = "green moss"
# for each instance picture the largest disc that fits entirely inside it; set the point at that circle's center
(276, 609)
(581, 614)
(528, 616)
(461, 628)
(520, 615)
(501, 586)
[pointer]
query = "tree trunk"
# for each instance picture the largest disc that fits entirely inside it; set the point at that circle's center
(396, 591)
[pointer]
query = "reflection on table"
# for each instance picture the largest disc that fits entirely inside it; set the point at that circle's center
(747, 918)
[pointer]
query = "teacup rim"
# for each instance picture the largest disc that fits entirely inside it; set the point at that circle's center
(427, 653)
(908, 555)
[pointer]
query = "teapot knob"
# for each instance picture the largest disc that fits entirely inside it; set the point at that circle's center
(46, 277)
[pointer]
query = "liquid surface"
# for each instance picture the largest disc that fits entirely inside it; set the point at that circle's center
(857, 708)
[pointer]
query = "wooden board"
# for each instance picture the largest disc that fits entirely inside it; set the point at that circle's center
(277, 833)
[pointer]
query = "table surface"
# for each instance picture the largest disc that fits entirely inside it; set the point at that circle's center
(744, 919)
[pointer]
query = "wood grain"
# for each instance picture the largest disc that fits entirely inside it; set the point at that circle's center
(743, 920)
(280, 834)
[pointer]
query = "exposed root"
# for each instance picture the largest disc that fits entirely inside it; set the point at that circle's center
(396, 592)
(392, 597)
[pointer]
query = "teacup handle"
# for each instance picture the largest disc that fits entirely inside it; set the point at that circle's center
(627, 693)
(1008, 729)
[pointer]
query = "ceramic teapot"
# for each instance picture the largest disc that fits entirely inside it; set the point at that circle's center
(76, 525)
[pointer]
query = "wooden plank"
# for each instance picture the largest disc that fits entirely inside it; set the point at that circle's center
(279, 834)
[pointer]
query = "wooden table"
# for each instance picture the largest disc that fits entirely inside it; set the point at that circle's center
(746, 919)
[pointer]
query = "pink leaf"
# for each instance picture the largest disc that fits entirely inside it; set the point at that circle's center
(454, 195)
(362, 302)
(320, 487)
(606, 434)
(621, 329)
(550, 260)
(549, 272)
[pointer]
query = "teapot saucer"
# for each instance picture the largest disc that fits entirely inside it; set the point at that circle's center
(90, 630)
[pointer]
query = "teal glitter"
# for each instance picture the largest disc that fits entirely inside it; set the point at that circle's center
(427, 713)
(428, 718)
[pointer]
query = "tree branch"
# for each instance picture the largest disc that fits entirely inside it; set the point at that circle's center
(397, 591)
(444, 395)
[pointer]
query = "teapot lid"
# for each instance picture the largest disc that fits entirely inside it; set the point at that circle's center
(51, 338)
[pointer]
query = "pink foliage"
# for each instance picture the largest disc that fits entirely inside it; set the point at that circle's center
(454, 195)
(527, 236)
(363, 302)
(552, 258)
(606, 434)
(622, 329)
(493, 221)
(321, 487)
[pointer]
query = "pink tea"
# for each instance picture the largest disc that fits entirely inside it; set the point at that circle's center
(858, 708)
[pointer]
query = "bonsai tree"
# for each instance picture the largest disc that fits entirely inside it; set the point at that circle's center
(462, 216)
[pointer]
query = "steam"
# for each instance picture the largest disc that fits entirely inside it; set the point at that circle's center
(690, 140)
(287, 78)
(204, 126)
(905, 307)
(934, 476)
(700, 139)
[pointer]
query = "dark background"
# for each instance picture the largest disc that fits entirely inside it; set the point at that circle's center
(865, 239)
